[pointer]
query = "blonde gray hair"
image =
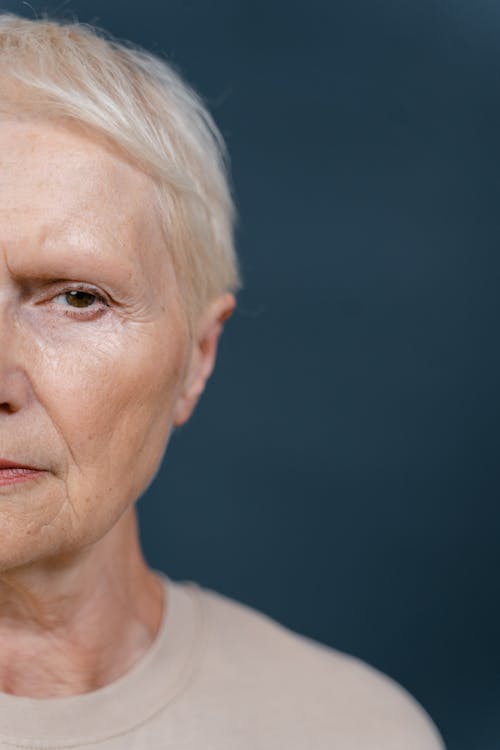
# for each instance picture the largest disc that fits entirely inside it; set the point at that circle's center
(75, 70)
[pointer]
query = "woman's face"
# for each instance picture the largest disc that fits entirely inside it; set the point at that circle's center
(89, 381)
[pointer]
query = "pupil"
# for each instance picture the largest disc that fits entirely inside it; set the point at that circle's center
(80, 298)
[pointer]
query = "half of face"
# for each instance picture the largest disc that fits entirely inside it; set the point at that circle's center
(96, 364)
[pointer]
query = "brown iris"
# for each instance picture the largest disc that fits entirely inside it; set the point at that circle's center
(80, 299)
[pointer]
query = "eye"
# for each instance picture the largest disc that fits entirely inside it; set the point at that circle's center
(84, 299)
(78, 298)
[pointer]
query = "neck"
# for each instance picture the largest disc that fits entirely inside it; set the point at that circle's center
(72, 626)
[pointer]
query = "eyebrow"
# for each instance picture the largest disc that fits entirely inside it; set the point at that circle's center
(62, 255)
(93, 269)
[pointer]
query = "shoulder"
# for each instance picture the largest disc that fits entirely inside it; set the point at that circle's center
(328, 693)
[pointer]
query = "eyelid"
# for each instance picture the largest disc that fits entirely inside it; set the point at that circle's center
(82, 287)
(52, 288)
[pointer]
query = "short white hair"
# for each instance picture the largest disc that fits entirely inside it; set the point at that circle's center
(72, 70)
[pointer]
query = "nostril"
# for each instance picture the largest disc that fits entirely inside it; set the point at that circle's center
(7, 407)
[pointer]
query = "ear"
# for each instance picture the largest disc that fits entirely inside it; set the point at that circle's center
(203, 354)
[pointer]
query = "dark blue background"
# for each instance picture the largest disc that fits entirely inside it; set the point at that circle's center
(341, 472)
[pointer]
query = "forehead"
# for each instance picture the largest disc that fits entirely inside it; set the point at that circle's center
(60, 187)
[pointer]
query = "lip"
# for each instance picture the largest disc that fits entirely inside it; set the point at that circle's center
(12, 472)
(6, 464)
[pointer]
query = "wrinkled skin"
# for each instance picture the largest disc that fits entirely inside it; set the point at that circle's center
(88, 393)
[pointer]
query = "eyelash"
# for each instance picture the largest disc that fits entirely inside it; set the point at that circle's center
(92, 309)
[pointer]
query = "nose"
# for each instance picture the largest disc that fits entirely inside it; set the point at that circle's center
(13, 393)
(14, 384)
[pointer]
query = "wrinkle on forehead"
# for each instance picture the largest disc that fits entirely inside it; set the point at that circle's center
(57, 184)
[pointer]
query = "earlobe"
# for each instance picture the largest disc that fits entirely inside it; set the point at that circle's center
(203, 356)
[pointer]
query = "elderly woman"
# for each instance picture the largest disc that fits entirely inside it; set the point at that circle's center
(117, 272)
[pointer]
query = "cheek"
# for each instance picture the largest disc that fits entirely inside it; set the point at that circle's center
(109, 388)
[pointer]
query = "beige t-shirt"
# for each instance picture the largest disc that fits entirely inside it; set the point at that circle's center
(221, 676)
